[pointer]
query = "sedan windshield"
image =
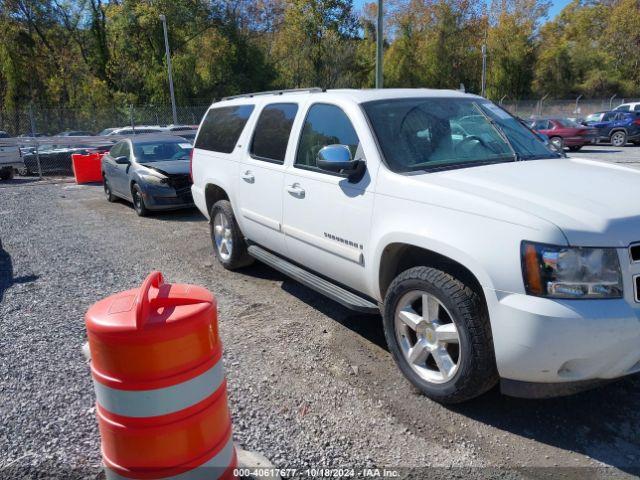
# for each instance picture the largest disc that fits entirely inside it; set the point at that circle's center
(439, 133)
(149, 152)
(568, 123)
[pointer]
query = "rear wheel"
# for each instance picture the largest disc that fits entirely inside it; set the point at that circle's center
(619, 138)
(438, 332)
(228, 242)
(138, 201)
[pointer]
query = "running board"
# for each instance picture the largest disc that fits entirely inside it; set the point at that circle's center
(320, 285)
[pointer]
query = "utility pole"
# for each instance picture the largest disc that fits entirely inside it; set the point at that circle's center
(379, 44)
(484, 71)
(166, 46)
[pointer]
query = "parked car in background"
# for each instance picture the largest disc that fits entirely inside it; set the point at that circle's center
(178, 128)
(151, 171)
(564, 132)
(106, 131)
(134, 130)
(10, 157)
(628, 107)
(617, 127)
(4, 134)
(75, 133)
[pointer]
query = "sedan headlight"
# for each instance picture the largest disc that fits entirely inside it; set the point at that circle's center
(571, 272)
(154, 179)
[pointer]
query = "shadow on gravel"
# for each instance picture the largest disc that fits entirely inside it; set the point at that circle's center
(367, 326)
(6, 273)
(17, 181)
(603, 423)
(186, 215)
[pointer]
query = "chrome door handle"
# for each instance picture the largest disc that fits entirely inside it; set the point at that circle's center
(248, 176)
(296, 190)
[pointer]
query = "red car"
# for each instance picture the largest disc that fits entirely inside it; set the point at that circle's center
(564, 132)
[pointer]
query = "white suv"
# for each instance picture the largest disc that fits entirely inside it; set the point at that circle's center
(490, 256)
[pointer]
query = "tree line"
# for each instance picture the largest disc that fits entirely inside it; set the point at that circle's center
(95, 54)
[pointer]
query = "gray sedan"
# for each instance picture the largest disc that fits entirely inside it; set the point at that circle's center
(151, 171)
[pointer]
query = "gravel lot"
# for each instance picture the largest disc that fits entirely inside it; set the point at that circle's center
(311, 384)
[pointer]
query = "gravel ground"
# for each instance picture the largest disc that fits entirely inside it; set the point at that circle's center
(311, 384)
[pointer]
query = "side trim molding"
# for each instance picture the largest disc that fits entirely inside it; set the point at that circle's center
(261, 219)
(342, 251)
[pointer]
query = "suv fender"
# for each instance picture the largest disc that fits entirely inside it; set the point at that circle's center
(392, 247)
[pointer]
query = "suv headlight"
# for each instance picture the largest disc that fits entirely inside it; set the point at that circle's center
(571, 272)
(154, 179)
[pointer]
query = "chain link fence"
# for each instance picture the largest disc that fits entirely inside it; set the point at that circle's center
(52, 121)
(37, 138)
(575, 108)
(46, 153)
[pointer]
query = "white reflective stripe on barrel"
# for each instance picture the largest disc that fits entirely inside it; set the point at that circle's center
(161, 401)
(209, 470)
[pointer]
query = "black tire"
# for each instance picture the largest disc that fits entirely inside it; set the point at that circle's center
(236, 257)
(7, 173)
(138, 201)
(575, 148)
(618, 138)
(108, 193)
(476, 367)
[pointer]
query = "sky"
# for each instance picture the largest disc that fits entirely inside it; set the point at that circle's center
(555, 9)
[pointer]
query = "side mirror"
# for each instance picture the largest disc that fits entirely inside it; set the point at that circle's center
(337, 159)
(122, 161)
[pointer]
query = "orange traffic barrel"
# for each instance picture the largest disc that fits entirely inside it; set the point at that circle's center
(159, 381)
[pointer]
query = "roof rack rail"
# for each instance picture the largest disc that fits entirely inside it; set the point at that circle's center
(276, 92)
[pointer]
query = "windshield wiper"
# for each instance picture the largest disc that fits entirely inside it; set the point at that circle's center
(496, 126)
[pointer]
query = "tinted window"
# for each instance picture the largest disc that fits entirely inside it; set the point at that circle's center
(222, 127)
(125, 151)
(623, 108)
(272, 131)
(325, 125)
(636, 108)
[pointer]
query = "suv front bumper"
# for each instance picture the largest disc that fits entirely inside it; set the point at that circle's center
(547, 341)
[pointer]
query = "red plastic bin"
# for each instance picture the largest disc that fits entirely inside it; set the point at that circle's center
(86, 168)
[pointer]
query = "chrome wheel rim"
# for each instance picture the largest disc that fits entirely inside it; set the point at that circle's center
(222, 236)
(617, 139)
(428, 337)
(557, 142)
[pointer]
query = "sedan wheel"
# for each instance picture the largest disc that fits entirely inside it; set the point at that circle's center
(428, 337)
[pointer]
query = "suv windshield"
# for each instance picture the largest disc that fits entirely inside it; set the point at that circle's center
(149, 152)
(439, 133)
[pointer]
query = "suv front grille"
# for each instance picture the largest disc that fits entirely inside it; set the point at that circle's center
(634, 252)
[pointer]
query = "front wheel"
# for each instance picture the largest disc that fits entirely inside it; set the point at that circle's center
(108, 193)
(228, 242)
(557, 142)
(138, 201)
(619, 139)
(439, 334)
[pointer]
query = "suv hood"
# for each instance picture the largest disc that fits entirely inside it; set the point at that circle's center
(593, 203)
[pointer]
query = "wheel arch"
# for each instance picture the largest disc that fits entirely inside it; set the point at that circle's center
(398, 257)
(214, 193)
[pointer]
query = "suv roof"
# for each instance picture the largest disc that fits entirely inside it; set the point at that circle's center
(358, 96)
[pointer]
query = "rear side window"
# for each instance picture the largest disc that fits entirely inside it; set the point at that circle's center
(272, 131)
(221, 128)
